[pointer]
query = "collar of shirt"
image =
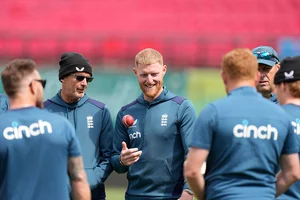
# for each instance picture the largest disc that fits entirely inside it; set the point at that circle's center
(243, 90)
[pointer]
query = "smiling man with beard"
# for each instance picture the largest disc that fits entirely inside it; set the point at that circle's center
(268, 65)
(91, 119)
(152, 151)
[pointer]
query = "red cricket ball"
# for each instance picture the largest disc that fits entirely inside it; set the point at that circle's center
(128, 120)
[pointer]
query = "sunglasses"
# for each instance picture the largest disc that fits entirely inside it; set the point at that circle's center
(42, 81)
(266, 56)
(81, 78)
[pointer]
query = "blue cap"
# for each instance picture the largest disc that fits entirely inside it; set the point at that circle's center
(270, 62)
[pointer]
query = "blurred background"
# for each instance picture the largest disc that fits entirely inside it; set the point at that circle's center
(192, 35)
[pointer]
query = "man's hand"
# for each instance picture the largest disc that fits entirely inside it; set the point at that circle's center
(186, 196)
(129, 156)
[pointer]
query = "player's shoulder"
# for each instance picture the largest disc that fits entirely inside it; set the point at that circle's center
(182, 105)
(96, 103)
(131, 104)
(291, 109)
(221, 102)
(53, 117)
(179, 100)
(47, 103)
(171, 97)
(270, 106)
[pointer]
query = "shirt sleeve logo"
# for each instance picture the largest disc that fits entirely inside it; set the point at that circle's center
(296, 125)
(134, 124)
(135, 135)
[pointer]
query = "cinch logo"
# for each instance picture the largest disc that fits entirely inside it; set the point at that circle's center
(296, 125)
(246, 131)
(34, 129)
(135, 135)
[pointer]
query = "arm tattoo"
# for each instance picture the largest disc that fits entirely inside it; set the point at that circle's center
(75, 169)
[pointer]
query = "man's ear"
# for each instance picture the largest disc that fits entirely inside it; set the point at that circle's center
(134, 71)
(32, 87)
(224, 78)
(164, 69)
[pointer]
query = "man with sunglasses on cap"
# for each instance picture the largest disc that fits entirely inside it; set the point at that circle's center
(268, 65)
(287, 87)
(4, 103)
(242, 147)
(39, 151)
(91, 119)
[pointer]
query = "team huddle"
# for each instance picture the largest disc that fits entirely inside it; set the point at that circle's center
(67, 146)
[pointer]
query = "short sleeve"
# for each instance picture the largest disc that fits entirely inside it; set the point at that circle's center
(291, 143)
(204, 128)
(73, 147)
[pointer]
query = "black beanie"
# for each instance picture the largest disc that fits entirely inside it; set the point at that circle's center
(71, 62)
(289, 70)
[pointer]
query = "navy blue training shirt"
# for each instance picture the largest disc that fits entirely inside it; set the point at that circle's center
(34, 149)
(294, 111)
(245, 135)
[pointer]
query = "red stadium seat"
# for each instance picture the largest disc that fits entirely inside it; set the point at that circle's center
(117, 29)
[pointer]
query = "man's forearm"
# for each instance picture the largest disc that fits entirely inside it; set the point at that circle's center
(283, 182)
(197, 185)
(80, 190)
(80, 186)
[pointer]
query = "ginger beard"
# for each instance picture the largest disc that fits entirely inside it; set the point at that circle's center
(151, 90)
(150, 78)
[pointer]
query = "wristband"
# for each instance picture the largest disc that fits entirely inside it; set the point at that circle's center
(121, 161)
(190, 192)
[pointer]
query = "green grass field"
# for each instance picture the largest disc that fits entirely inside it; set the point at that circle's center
(115, 193)
(204, 86)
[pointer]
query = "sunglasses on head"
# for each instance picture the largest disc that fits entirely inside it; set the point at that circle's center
(266, 56)
(81, 78)
(42, 81)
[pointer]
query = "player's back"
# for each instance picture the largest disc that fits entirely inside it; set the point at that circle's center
(249, 133)
(34, 150)
(294, 111)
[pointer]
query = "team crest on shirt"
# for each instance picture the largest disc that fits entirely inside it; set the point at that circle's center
(90, 121)
(164, 120)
